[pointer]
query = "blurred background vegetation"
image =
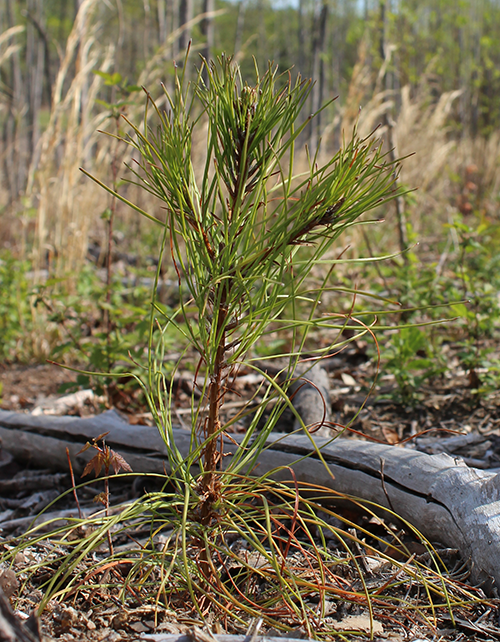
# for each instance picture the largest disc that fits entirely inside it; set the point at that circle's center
(426, 73)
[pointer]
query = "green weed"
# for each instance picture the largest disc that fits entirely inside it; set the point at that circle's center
(405, 356)
(109, 334)
(477, 269)
(15, 313)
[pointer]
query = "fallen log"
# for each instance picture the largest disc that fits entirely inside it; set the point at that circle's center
(12, 629)
(443, 498)
(310, 396)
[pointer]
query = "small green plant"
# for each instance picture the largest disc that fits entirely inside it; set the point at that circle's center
(477, 267)
(464, 284)
(115, 345)
(406, 358)
(16, 320)
(28, 335)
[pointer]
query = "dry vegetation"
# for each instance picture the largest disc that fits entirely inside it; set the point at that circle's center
(60, 208)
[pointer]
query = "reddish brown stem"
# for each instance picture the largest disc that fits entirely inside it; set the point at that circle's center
(211, 456)
(106, 505)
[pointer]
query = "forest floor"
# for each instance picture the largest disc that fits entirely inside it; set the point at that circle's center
(446, 415)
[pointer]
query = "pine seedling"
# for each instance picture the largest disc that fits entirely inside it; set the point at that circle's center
(237, 229)
(245, 232)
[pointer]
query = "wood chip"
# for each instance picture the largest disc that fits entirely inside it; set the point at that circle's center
(8, 582)
(359, 623)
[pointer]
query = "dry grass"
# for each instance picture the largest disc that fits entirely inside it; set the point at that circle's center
(67, 206)
(449, 172)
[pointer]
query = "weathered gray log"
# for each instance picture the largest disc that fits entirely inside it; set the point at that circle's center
(310, 394)
(12, 629)
(41, 441)
(444, 499)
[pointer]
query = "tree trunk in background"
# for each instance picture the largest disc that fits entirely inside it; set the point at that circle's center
(37, 21)
(34, 72)
(207, 29)
(301, 38)
(382, 29)
(148, 39)
(318, 70)
(15, 163)
(238, 36)
(388, 122)
(185, 16)
(262, 55)
(172, 20)
(38, 71)
(476, 25)
(470, 20)
(162, 22)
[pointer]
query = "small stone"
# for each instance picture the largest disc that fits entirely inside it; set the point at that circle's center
(105, 634)
(119, 620)
(65, 616)
(8, 582)
(139, 627)
(35, 597)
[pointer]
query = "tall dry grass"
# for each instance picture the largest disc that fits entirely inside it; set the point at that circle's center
(68, 206)
(449, 172)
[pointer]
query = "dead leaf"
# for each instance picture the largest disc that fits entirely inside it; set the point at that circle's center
(359, 623)
(8, 582)
(119, 463)
(347, 379)
(391, 435)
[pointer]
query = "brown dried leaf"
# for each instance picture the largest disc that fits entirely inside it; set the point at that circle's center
(86, 447)
(391, 435)
(118, 462)
(93, 444)
(96, 464)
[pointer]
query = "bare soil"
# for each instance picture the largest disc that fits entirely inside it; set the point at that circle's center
(25, 386)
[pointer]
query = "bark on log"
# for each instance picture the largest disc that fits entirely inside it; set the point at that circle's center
(444, 499)
(12, 629)
(310, 396)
